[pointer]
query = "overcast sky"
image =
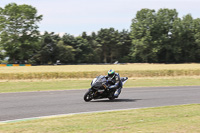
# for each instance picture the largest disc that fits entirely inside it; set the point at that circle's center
(76, 16)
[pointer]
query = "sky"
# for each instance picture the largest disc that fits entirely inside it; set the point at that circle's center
(77, 16)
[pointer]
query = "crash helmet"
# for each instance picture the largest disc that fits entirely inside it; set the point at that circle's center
(111, 73)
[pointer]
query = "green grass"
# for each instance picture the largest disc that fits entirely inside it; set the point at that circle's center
(157, 82)
(23, 86)
(46, 85)
(169, 119)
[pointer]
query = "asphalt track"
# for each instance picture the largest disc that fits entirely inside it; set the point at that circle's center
(35, 104)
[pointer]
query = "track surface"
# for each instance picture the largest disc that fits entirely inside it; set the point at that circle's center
(35, 104)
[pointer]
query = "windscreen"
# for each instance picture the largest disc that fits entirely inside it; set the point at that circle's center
(99, 81)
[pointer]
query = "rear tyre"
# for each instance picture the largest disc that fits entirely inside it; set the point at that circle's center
(88, 96)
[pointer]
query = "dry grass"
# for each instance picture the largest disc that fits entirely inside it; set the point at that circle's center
(91, 68)
(90, 71)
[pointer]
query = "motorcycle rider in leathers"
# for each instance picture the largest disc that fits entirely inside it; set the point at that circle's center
(114, 82)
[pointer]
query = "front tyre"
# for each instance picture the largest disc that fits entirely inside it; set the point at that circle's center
(111, 98)
(88, 96)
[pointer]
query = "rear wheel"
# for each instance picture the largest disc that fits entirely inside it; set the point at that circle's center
(88, 96)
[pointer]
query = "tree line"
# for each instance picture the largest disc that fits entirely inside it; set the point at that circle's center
(154, 37)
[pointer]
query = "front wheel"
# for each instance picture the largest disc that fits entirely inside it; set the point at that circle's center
(88, 96)
(111, 98)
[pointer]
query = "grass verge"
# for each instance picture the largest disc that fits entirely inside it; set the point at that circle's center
(46, 85)
(176, 119)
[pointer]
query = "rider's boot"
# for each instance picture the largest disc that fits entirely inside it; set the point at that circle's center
(117, 92)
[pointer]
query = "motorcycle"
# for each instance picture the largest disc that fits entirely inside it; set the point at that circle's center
(99, 89)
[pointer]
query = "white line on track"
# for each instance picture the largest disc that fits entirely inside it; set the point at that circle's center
(63, 115)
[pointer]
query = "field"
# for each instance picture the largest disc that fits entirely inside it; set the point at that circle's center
(169, 119)
(89, 68)
(91, 71)
(44, 78)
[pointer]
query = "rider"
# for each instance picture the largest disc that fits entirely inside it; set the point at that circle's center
(114, 82)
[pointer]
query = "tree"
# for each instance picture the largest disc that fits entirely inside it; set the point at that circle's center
(185, 38)
(188, 41)
(151, 35)
(48, 50)
(196, 23)
(1, 55)
(18, 31)
(93, 51)
(66, 53)
(165, 19)
(109, 39)
(83, 51)
(69, 40)
(124, 47)
(176, 41)
(143, 49)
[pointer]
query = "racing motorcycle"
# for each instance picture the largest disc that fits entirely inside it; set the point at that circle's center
(99, 89)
